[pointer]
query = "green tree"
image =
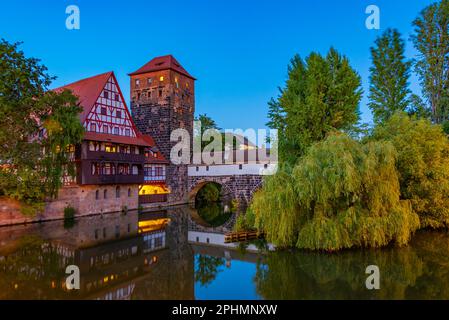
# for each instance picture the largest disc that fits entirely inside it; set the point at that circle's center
(389, 76)
(322, 94)
(431, 40)
(341, 194)
(32, 164)
(423, 165)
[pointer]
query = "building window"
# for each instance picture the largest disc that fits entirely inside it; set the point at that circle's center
(105, 194)
(149, 80)
(111, 148)
(105, 129)
(118, 114)
(93, 127)
(97, 195)
(265, 165)
(129, 192)
(117, 192)
(106, 95)
(160, 93)
(103, 111)
(116, 97)
(197, 169)
(207, 168)
(116, 131)
(161, 78)
(135, 170)
(123, 169)
(137, 82)
(127, 132)
(240, 166)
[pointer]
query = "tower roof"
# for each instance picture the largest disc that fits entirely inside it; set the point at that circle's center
(167, 62)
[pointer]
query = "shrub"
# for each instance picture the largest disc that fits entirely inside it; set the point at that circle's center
(423, 165)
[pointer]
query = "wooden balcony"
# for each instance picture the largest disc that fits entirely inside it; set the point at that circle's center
(112, 179)
(113, 157)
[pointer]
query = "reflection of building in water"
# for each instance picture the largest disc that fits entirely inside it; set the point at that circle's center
(131, 259)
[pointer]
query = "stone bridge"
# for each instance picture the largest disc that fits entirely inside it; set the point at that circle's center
(237, 181)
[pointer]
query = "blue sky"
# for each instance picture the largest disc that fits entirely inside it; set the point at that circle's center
(238, 49)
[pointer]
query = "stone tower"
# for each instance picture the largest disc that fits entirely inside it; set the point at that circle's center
(162, 100)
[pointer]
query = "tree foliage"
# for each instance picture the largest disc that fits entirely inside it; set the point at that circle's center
(389, 76)
(431, 40)
(423, 165)
(32, 165)
(341, 194)
(321, 94)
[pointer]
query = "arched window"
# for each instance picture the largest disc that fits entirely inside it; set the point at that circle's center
(105, 193)
(97, 194)
(129, 192)
(117, 192)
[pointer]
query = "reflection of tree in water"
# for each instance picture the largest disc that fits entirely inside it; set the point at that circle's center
(30, 270)
(286, 275)
(213, 213)
(207, 268)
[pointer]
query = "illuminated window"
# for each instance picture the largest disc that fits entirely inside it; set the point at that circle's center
(135, 170)
(161, 78)
(111, 148)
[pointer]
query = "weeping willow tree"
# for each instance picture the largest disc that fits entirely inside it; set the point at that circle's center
(341, 194)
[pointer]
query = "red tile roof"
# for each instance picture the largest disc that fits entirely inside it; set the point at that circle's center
(88, 90)
(162, 63)
(103, 137)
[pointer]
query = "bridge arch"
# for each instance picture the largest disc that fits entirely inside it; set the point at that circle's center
(225, 190)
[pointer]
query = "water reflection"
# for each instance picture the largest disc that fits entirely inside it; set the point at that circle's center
(166, 255)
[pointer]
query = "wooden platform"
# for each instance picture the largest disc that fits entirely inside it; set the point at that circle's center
(243, 236)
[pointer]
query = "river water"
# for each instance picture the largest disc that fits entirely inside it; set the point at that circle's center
(173, 254)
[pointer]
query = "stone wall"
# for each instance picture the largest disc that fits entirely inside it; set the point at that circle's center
(82, 198)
